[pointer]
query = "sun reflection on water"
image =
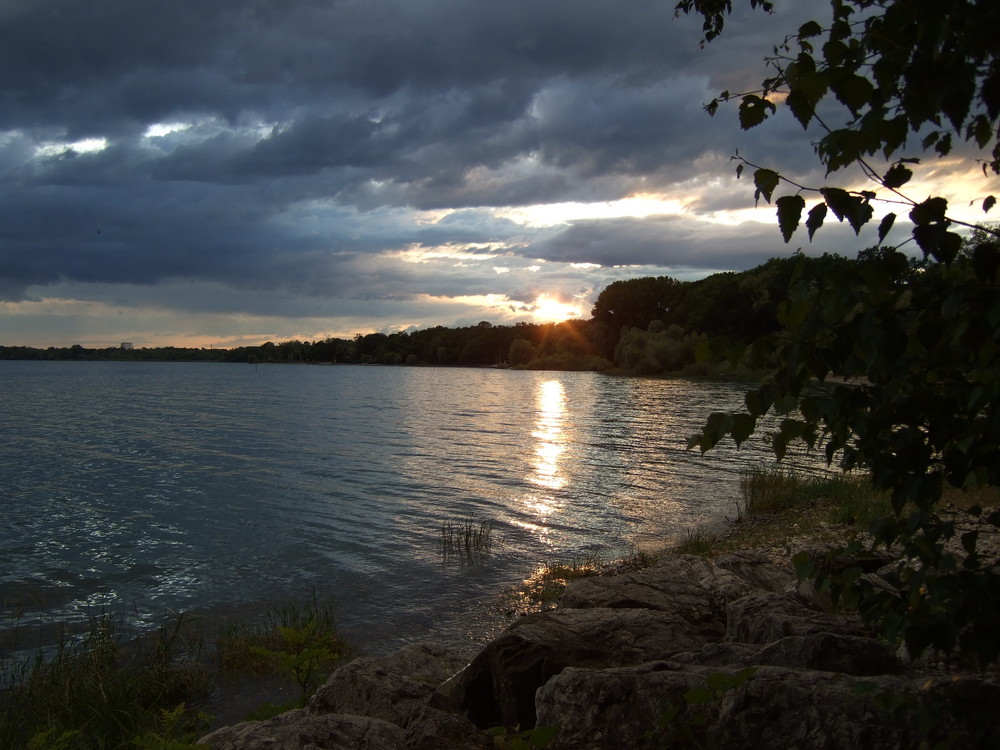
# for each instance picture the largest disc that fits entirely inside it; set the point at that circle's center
(550, 444)
(549, 434)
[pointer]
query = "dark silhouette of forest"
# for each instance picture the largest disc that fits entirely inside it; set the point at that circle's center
(643, 326)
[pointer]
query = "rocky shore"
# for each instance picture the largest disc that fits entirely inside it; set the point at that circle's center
(689, 652)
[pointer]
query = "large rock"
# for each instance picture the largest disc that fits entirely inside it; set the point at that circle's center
(757, 570)
(369, 703)
(776, 707)
(396, 688)
(387, 687)
(831, 652)
(689, 586)
(677, 605)
(767, 616)
(824, 652)
(301, 730)
(498, 686)
(622, 651)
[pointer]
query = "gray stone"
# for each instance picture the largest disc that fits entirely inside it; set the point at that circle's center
(722, 655)
(387, 687)
(623, 650)
(396, 688)
(831, 652)
(765, 617)
(692, 587)
(301, 730)
(776, 707)
(757, 570)
(498, 686)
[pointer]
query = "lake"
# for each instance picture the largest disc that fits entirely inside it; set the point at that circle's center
(154, 487)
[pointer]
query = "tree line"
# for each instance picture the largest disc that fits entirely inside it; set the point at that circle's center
(642, 326)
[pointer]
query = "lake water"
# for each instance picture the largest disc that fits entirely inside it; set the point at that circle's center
(191, 487)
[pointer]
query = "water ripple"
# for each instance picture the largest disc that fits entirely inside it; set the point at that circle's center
(194, 486)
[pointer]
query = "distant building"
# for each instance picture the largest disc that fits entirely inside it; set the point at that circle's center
(127, 346)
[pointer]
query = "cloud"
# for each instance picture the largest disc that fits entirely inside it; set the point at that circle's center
(334, 164)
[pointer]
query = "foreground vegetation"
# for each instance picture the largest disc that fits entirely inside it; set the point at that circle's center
(101, 689)
(778, 510)
(906, 352)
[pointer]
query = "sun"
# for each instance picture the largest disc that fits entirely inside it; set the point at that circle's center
(548, 309)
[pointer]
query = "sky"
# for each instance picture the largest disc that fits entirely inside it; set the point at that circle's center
(224, 173)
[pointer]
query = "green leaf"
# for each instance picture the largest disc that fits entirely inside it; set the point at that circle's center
(802, 107)
(854, 91)
(790, 430)
(756, 403)
(718, 682)
(981, 130)
(742, 677)
(716, 427)
(743, 427)
(765, 180)
(860, 215)
(810, 29)
(936, 241)
(943, 146)
(930, 211)
(969, 540)
(857, 210)
(789, 214)
(817, 214)
(754, 110)
(884, 226)
(838, 200)
(806, 87)
(698, 696)
(835, 53)
(897, 176)
(804, 567)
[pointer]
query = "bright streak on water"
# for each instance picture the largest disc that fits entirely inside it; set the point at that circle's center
(193, 487)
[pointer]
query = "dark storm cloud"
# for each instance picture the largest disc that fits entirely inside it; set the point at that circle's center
(306, 130)
(674, 242)
(670, 242)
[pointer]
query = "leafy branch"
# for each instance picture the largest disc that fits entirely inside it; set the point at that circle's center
(855, 206)
(886, 368)
(898, 70)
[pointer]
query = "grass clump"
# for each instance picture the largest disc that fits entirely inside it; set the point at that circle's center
(107, 688)
(696, 542)
(767, 489)
(843, 499)
(99, 689)
(468, 540)
(296, 639)
(777, 505)
(546, 585)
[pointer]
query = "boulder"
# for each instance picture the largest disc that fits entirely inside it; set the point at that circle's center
(387, 687)
(301, 730)
(629, 707)
(757, 570)
(831, 652)
(498, 686)
(656, 657)
(768, 616)
(691, 587)
(396, 688)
